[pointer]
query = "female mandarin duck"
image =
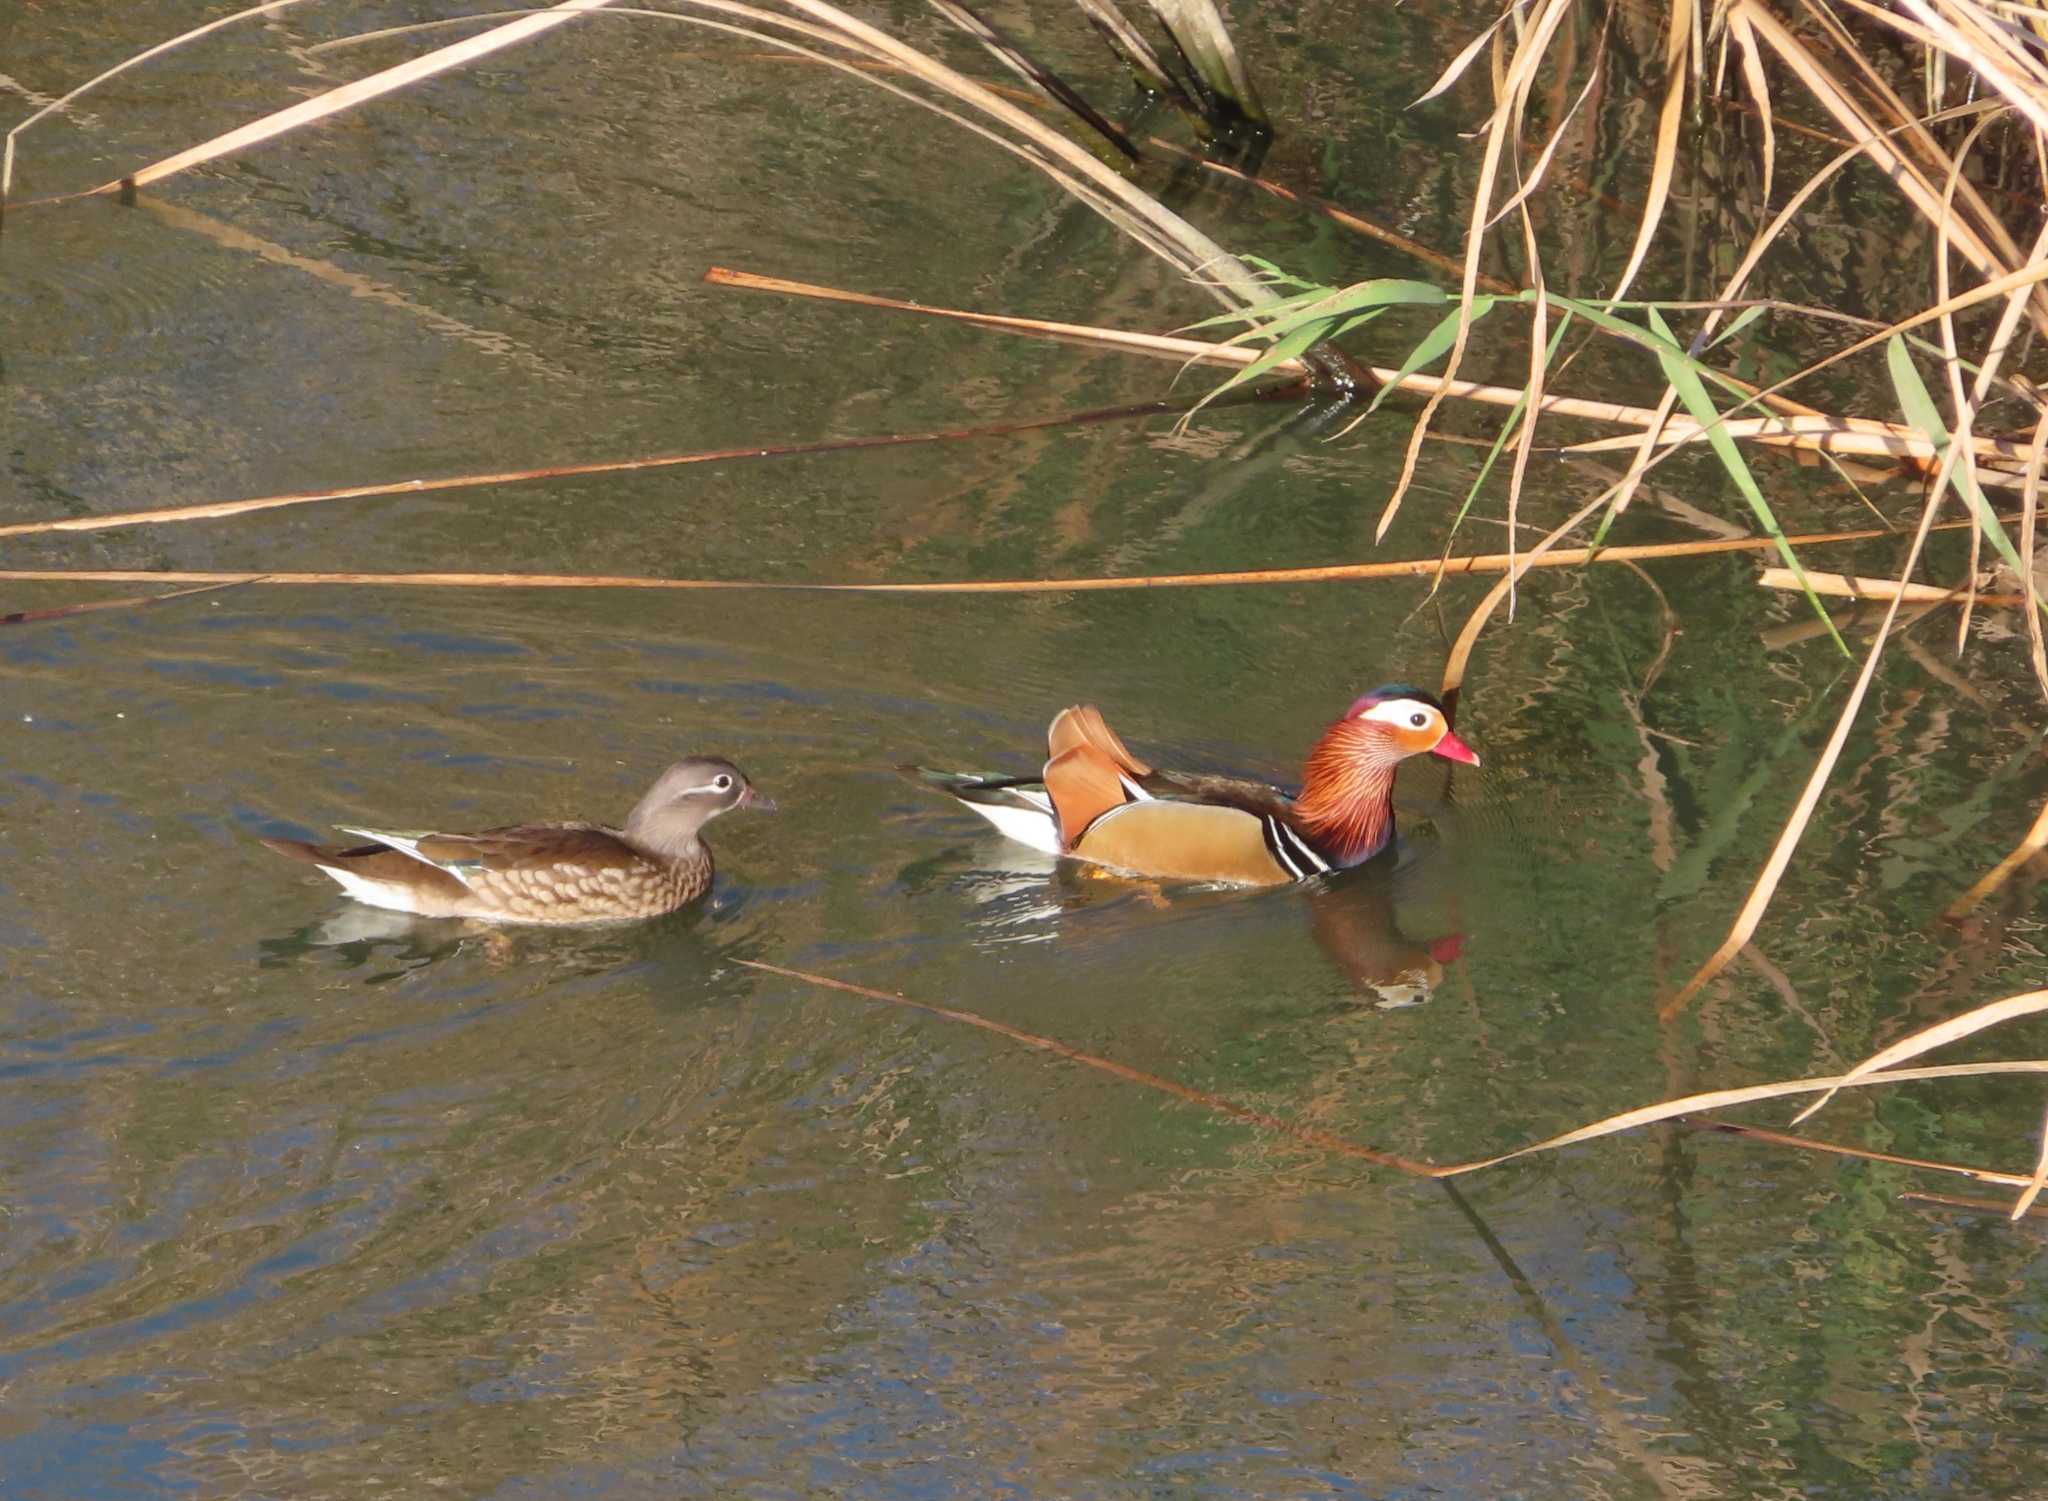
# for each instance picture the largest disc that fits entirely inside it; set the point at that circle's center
(1098, 802)
(548, 872)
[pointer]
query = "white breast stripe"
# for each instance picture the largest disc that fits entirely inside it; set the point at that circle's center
(1300, 850)
(1269, 831)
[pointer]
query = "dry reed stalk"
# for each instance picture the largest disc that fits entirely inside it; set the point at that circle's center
(1855, 586)
(1981, 239)
(1766, 885)
(1010, 128)
(349, 95)
(1722, 1099)
(1905, 379)
(2035, 841)
(1666, 1111)
(1157, 346)
(66, 100)
(1511, 84)
(219, 509)
(1927, 1039)
(1855, 436)
(1432, 568)
(2030, 506)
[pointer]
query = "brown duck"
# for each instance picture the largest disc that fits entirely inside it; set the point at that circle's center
(1098, 802)
(548, 872)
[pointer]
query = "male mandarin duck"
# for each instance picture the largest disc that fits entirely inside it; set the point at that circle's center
(548, 872)
(1098, 802)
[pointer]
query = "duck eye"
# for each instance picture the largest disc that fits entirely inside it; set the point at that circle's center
(1418, 719)
(722, 783)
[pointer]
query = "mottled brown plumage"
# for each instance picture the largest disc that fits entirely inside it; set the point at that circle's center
(548, 872)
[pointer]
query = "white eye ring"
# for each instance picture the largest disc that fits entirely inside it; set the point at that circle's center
(721, 783)
(1418, 719)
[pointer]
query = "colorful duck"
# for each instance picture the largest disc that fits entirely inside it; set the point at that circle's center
(548, 872)
(1098, 802)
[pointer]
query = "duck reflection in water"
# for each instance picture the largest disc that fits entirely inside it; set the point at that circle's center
(1356, 920)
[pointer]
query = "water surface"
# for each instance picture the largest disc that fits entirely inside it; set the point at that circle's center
(302, 1203)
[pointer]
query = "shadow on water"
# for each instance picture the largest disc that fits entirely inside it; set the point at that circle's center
(686, 958)
(1388, 928)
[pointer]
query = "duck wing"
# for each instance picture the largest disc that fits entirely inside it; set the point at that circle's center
(512, 848)
(1261, 798)
(1083, 725)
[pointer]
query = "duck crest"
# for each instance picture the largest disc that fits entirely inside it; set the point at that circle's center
(1347, 792)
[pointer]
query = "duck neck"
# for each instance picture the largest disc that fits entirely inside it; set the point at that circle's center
(1347, 794)
(667, 830)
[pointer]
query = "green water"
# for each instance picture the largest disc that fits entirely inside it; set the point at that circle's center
(294, 1203)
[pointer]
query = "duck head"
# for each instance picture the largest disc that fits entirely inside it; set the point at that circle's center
(686, 797)
(1347, 789)
(1406, 722)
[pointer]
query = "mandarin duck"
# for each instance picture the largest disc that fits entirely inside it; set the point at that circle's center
(1096, 801)
(548, 872)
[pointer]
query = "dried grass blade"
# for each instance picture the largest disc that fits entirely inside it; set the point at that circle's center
(2030, 506)
(1457, 66)
(334, 101)
(1766, 886)
(2035, 841)
(1161, 230)
(71, 96)
(1541, 352)
(1159, 346)
(1664, 157)
(1758, 83)
(1550, 14)
(1721, 1099)
(2034, 1184)
(1543, 159)
(1996, 60)
(1927, 1039)
(1856, 586)
(1875, 140)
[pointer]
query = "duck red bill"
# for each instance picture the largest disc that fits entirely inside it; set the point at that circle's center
(1451, 748)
